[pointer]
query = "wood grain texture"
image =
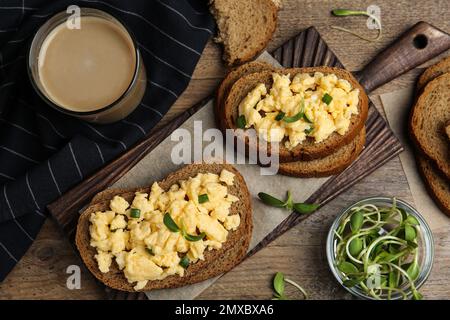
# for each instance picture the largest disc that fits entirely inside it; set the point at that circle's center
(300, 251)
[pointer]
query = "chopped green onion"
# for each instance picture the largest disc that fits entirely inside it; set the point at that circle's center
(295, 118)
(170, 224)
(280, 116)
(135, 213)
(203, 198)
(184, 262)
(194, 238)
(327, 98)
(308, 131)
(241, 122)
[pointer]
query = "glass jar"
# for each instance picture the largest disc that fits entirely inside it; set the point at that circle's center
(425, 246)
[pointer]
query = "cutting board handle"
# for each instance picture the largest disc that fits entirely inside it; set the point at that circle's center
(417, 45)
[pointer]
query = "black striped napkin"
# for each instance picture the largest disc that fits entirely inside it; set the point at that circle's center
(44, 153)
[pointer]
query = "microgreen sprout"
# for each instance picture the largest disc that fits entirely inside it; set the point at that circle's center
(303, 208)
(279, 285)
(379, 241)
(346, 13)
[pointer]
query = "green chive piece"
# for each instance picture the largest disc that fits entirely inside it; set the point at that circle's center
(280, 116)
(241, 122)
(295, 118)
(203, 198)
(194, 238)
(310, 130)
(346, 12)
(149, 251)
(327, 98)
(184, 262)
(135, 213)
(170, 224)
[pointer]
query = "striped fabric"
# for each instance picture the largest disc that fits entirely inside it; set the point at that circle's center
(44, 153)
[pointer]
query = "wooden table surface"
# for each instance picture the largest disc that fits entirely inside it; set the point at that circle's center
(299, 253)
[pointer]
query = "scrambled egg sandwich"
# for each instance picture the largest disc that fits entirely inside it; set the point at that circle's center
(310, 112)
(193, 225)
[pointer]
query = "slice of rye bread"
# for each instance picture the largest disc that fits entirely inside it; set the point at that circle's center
(447, 130)
(333, 164)
(308, 149)
(428, 118)
(437, 186)
(433, 72)
(230, 79)
(216, 261)
(244, 27)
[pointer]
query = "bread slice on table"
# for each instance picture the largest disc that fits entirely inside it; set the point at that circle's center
(216, 261)
(447, 130)
(433, 72)
(244, 27)
(437, 186)
(308, 149)
(330, 165)
(428, 119)
(230, 79)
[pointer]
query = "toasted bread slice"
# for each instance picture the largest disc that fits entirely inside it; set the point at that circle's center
(230, 79)
(433, 72)
(308, 149)
(438, 187)
(216, 261)
(428, 119)
(333, 164)
(447, 130)
(245, 27)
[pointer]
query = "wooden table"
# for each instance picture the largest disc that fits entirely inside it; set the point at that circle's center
(299, 253)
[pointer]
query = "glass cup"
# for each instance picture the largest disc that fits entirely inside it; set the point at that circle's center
(117, 110)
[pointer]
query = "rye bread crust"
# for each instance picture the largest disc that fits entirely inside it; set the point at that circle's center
(229, 80)
(308, 150)
(249, 45)
(216, 261)
(427, 123)
(333, 164)
(433, 72)
(437, 186)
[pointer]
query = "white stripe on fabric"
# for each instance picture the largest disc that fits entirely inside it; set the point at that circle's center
(165, 62)
(6, 176)
(53, 177)
(7, 202)
(28, 132)
(184, 18)
(153, 109)
(75, 160)
(135, 125)
(18, 154)
(9, 253)
(163, 88)
(31, 191)
(100, 152)
(147, 21)
(17, 8)
(11, 62)
(23, 230)
(51, 125)
(105, 137)
(7, 84)
(40, 213)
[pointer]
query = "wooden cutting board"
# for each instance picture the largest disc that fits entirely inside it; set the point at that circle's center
(304, 50)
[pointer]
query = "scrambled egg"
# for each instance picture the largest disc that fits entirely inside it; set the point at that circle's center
(143, 246)
(327, 104)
